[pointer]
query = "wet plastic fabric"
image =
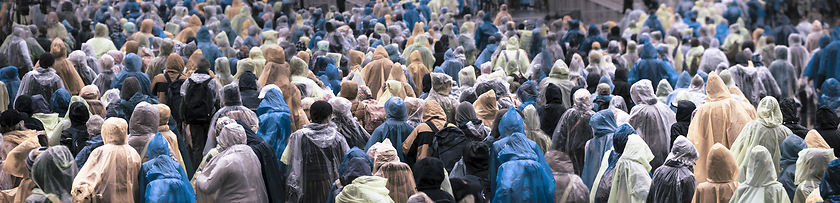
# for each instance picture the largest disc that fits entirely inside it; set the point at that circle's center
(41, 81)
(523, 173)
(231, 99)
(651, 68)
(810, 168)
(532, 128)
(441, 86)
(395, 127)
(760, 183)
(573, 129)
(831, 94)
(232, 175)
(420, 44)
(604, 126)
(354, 133)
(722, 172)
(314, 149)
(652, 120)
(719, 120)
(674, 181)
(767, 131)
(790, 153)
(162, 179)
(111, 170)
(712, 57)
(559, 76)
(53, 171)
(829, 185)
(365, 189)
(631, 179)
(133, 64)
(275, 122)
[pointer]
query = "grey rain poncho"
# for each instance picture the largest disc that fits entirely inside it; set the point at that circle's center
(53, 172)
(749, 82)
(573, 130)
(142, 127)
(712, 57)
(79, 60)
(559, 76)
(652, 120)
(232, 102)
(441, 85)
(784, 73)
(354, 134)
(314, 154)
(43, 81)
(233, 175)
(674, 181)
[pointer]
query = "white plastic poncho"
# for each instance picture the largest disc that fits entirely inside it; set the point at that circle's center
(234, 174)
(810, 167)
(760, 183)
(652, 120)
(712, 57)
(631, 179)
(767, 131)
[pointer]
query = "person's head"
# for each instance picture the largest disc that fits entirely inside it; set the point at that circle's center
(204, 64)
(42, 30)
(320, 112)
(11, 120)
(46, 60)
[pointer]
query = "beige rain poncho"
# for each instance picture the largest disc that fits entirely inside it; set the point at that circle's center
(417, 70)
(277, 72)
(719, 120)
(767, 131)
(376, 72)
(110, 173)
(721, 171)
(64, 68)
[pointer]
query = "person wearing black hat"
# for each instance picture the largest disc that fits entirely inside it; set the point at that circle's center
(24, 105)
(43, 80)
(11, 120)
(76, 135)
(313, 156)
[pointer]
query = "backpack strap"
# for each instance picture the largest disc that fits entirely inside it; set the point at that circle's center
(568, 189)
(432, 126)
(168, 80)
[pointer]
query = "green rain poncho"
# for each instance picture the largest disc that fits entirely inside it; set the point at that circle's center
(766, 130)
(100, 41)
(559, 76)
(760, 183)
(631, 179)
(510, 54)
(244, 14)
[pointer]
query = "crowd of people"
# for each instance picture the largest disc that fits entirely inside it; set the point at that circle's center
(407, 101)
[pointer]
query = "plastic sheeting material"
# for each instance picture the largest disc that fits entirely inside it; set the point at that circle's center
(760, 183)
(631, 182)
(652, 120)
(767, 131)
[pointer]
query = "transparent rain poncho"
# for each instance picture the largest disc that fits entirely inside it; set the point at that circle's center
(760, 183)
(53, 171)
(767, 131)
(559, 76)
(314, 154)
(41, 81)
(652, 120)
(111, 171)
(441, 85)
(532, 128)
(674, 181)
(162, 178)
(712, 57)
(566, 183)
(722, 172)
(79, 60)
(232, 175)
(631, 180)
(573, 129)
(354, 133)
(232, 101)
(810, 168)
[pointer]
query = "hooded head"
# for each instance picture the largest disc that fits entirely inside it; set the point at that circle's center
(768, 112)
(826, 119)
(685, 109)
(561, 71)
(716, 89)
(231, 134)
(760, 170)
(78, 113)
(130, 87)
(53, 170)
(101, 30)
(429, 174)
(60, 101)
(683, 151)
(621, 136)
(395, 109)
(114, 131)
(642, 92)
(511, 123)
(781, 53)
(648, 51)
(144, 119)
(158, 146)
(582, 100)
(603, 123)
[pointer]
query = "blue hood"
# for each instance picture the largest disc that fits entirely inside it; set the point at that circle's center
(648, 51)
(368, 11)
(395, 109)
(449, 55)
(269, 25)
(573, 25)
(408, 6)
(790, 149)
(424, 2)
(132, 63)
(830, 185)
(603, 122)
(355, 152)
(203, 35)
(60, 101)
(684, 81)
(511, 123)
(593, 31)
(157, 146)
(225, 24)
(830, 87)
(332, 73)
(9, 73)
(487, 18)
(606, 79)
(824, 41)
(273, 102)
(394, 54)
(316, 16)
(620, 137)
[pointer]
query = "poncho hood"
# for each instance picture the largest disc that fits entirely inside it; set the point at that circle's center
(429, 173)
(603, 123)
(760, 169)
(683, 151)
(511, 123)
(642, 92)
(144, 120)
(648, 51)
(826, 119)
(115, 131)
(101, 31)
(561, 71)
(395, 109)
(769, 113)
(684, 110)
(716, 90)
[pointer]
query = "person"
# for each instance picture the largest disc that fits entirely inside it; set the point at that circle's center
(394, 128)
(199, 125)
(568, 187)
(651, 119)
(604, 126)
(41, 81)
(523, 173)
(674, 181)
(790, 153)
(532, 128)
(161, 82)
(232, 108)
(133, 68)
(826, 126)
(631, 181)
(162, 178)
(53, 170)
(441, 88)
(354, 133)
(429, 177)
(651, 68)
(570, 138)
(417, 145)
(76, 135)
(767, 130)
(721, 171)
(759, 179)
(88, 184)
(790, 113)
(308, 179)
(812, 163)
(469, 123)
(277, 72)
(685, 109)
(229, 176)
(559, 76)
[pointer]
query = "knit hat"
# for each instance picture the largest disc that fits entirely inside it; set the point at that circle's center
(11, 117)
(319, 111)
(47, 60)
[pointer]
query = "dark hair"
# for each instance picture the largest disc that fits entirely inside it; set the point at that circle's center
(204, 64)
(42, 30)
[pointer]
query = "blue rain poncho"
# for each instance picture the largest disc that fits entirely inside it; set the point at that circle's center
(683, 83)
(133, 64)
(604, 125)
(831, 94)
(424, 10)
(275, 123)
(332, 78)
(767, 131)
(829, 62)
(9, 76)
(523, 173)
(783, 29)
(653, 120)
(631, 180)
(451, 65)
(394, 127)
(60, 102)
(830, 185)
(813, 69)
(485, 30)
(790, 153)
(651, 68)
(653, 23)
(722, 30)
(162, 179)
(759, 179)
(486, 54)
(594, 36)
(510, 124)
(412, 15)
(208, 50)
(732, 13)
(527, 93)
(574, 33)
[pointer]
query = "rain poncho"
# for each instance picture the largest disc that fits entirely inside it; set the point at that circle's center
(767, 131)
(663, 90)
(749, 80)
(376, 72)
(684, 111)
(566, 183)
(559, 76)
(720, 120)
(64, 68)
(486, 108)
(721, 171)
(111, 171)
(712, 57)
(674, 181)
(275, 121)
(512, 53)
(231, 175)
(594, 36)
(451, 66)
(573, 130)
(354, 133)
(827, 127)
(314, 153)
(429, 178)
(400, 180)
(420, 44)
(79, 61)
(232, 102)
(604, 126)
(831, 94)
(441, 86)
(652, 120)
(651, 68)
(472, 127)
(523, 173)
(631, 182)
(101, 42)
(162, 178)
(553, 110)
(9, 77)
(132, 69)
(53, 171)
(484, 31)
(809, 171)
(784, 73)
(394, 128)
(760, 183)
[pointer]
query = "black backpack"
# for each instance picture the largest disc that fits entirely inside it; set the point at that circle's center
(173, 96)
(602, 103)
(448, 145)
(198, 102)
